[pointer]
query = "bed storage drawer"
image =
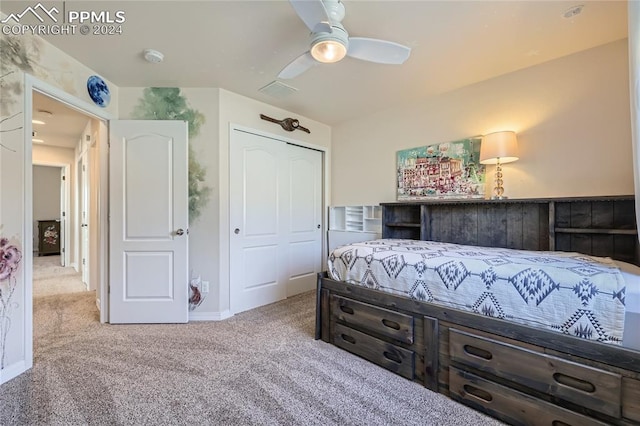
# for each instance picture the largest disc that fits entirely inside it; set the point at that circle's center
(399, 360)
(510, 405)
(590, 387)
(379, 320)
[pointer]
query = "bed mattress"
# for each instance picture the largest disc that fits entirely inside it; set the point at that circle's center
(570, 293)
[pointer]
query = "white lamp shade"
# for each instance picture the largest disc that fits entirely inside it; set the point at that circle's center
(502, 146)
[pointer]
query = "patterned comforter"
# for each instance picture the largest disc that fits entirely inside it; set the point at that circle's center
(569, 293)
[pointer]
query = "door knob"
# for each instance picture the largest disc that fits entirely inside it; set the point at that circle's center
(180, 231)
(236, 231)
(318, 226)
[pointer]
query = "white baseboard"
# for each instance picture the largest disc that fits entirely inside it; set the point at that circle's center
(210, 316)
(12, 371)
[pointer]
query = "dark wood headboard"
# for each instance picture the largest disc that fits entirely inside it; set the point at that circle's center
(598, 226)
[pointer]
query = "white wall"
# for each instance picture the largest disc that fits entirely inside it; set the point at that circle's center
(634, 83)
(571, 116)
(46, 197)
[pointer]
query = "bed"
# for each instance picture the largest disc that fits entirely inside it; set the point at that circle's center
(581, 351)
(566, 292)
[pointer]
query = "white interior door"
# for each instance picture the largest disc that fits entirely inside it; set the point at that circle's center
(275, 210)
(305, 219)
(148, 194)
(63, 216)
(84, 219)
(258, 217)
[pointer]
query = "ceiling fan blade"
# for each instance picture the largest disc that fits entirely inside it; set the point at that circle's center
(298, 66)
(313, 14)
(380, 51)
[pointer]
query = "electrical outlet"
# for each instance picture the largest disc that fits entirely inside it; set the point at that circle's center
(205, 287)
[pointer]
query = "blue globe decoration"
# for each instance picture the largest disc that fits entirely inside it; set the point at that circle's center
(98, 91)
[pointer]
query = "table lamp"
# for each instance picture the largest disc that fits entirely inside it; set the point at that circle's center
(499, 148)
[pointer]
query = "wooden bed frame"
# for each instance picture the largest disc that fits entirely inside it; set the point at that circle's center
(517, 373)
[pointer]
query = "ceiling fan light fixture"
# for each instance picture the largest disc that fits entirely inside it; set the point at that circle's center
(328, 51)
(330, 47)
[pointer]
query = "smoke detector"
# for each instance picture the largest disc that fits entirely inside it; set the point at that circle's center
(153, 56)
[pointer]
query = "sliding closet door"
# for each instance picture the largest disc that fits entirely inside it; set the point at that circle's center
(304, 231)
(275, 210)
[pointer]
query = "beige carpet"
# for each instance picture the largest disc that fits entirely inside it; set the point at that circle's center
(261, 367)
(50, 278)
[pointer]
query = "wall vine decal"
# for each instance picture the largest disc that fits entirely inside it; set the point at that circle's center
(167, 103)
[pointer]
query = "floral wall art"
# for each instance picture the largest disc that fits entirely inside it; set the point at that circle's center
(10, 256)
(167, 103)
(17, 56)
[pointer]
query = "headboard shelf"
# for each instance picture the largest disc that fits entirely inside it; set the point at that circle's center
(596, 231)
(598, 226)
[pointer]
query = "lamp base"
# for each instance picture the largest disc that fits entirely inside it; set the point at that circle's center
(498, 190)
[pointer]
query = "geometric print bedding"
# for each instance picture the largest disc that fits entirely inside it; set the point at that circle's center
(570, 293)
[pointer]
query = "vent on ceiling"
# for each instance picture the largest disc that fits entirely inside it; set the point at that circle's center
(277, 89)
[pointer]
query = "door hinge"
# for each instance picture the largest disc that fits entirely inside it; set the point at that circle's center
(83, 169)
(63, 249)
(64, 178)
(64, 214)
(83, 262)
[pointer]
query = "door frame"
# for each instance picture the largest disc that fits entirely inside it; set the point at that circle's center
(32, 84)
(225, 202)
(82, 247)
(65, 240)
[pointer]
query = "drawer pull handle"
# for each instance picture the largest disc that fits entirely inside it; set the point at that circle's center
(346, 309)
(391, 324)
(392, 357)
(477, 352)
(478, 393)
(348, 338)
(574, 382)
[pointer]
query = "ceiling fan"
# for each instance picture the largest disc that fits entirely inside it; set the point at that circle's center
(330, 41)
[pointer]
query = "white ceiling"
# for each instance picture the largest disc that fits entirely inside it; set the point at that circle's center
(63, 125)
(242, 45)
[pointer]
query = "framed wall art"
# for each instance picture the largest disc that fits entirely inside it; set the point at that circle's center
(444, 170)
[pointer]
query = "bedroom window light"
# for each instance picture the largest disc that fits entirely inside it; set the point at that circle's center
(499, 148)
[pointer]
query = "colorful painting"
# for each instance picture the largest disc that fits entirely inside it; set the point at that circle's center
(444, 170)
(50, 235)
